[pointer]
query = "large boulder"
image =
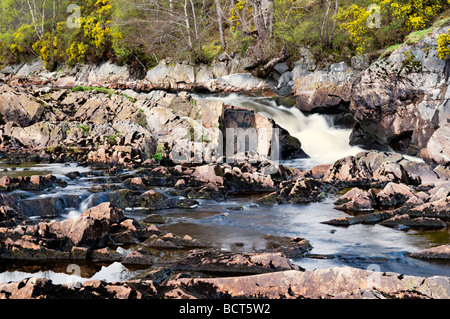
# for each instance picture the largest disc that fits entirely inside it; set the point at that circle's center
(19, 108)
(323, 90)
(379, 167)
(90, 229)
(394, 195)
(354, 200)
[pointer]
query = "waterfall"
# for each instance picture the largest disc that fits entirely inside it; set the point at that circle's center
(322, 141)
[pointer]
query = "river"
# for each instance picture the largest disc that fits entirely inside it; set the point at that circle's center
(238, 224)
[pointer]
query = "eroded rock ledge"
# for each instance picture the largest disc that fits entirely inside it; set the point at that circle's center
(334, 283)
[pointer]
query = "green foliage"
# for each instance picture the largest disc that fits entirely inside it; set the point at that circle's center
(140, 33)
(110, 92)
(443, 41)
(398, 18)
(85, 129)
(112, 138)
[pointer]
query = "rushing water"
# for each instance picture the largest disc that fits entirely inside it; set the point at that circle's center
(238, 224)
(321, 139)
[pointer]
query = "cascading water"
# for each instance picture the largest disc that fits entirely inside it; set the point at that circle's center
(322, 141)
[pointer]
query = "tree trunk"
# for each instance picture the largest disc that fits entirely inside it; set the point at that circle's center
(188, 27)
(263, 17)
(220, 23)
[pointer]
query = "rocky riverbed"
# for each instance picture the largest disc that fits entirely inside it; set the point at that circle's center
(129, 189)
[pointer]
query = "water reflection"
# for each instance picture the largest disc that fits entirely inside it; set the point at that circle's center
(358, 245)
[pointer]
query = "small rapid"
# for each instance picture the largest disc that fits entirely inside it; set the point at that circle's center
(324, 142)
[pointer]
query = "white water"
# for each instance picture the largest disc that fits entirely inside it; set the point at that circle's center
(323, 142)
(112, 273)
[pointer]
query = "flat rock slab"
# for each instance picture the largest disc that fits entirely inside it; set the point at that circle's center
(440, 252)
(338, 282)
(224, 262)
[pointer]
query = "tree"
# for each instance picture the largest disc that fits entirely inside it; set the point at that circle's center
(177, 27)
(263, 17)
(220, 18)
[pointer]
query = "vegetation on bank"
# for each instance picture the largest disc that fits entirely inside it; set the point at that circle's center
(142, 32)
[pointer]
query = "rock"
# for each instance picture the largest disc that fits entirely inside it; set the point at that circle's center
(402, 109)
(152, 200)
(48, 206)
(334, 283)
(355, 200)
(440, 191)
(290, 247)
(236, 181)
(154, 219)
(105, 255)
(394, 195)
(323, 90)
(321, 283)
(19, 108)
(421, 222)
(419, 172)
(240, 82)
(443, 172)
(92, 228)
(28, 247)
(371, 167)
(29, 288)
(319, 171)
(439, 252)
(371, 218)
(222, 262)
(302, 190)
(437, 209)
(209, 174)
(9, 217)
(137, 258)
(260, 132)
(170, 241)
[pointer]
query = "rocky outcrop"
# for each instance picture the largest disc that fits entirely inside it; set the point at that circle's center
(260, 133)
(19, 108)
(335, 283)
(379, 167)
(401, 102)
(323, 90)
(93, 235)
